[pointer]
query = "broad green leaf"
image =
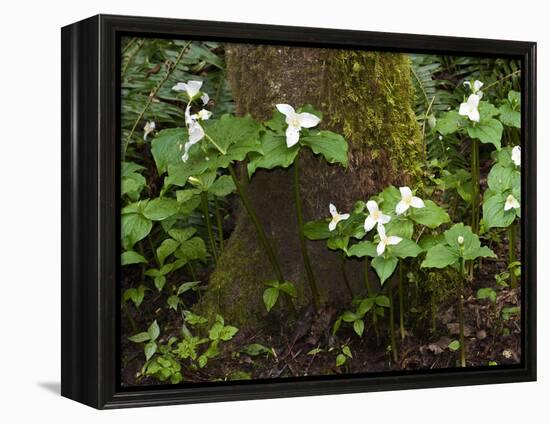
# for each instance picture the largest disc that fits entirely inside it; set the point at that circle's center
(136, 295)
(440, 256)
(135, 227)
(347, 351)
(487, 293)
(275, 154)
(165, 148)
(502, 178)
(223, 186)
(160, 281)
(384, 267)
(160, 208)
(150, 349)
(479, 252)
(153, 330)
(390, 197)
(359, 327)
(140, 337)
(256, 349)
(270, 297)
(431, 215)
(488, 131)
(204, 181)
(194, 319)
(401, 227)
(454, 345)
(363, 248)
(382, 301)
(317, 230)
(448, 122)
(340, 360)
(364, 306)
(509, 116)
(166, 248)
(349, 316)
(181, 235)
(288, 288)
(130, 257)
(173, 302)
(494, 214)
(430, 240)
(487, 110)
(185, 287)
(127, 168)
(228, 332)
(333, 147)
(132, 185)
(406, 249)
(191, 249)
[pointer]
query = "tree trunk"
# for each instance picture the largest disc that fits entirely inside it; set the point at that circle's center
(365, 96)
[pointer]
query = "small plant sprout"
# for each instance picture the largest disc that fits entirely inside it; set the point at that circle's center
(191, 88)
(296, 121)
(469, 108)
(375, 216)
(475, 87)
(385, 241)
(516, 155)
(407, 200)
(336, 217)
(148, 129)
(511, 203)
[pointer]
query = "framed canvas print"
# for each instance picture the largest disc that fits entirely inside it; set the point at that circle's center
(256, 211)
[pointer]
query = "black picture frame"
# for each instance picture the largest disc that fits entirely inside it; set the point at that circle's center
(90, 210)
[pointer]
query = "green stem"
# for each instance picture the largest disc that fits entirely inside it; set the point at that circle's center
(401, 302)
(216, 145)
(261, 233)
(345, 274)
(475, 186)
(512, 253)
(392, 324)
(461, 314)
(303, 245)
(219, 223)
(370, 294)
(206, 213)
(191, 271)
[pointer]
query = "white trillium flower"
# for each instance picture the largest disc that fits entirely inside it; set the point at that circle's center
(296, 121)
(460, 240)
(203, 115)
(148, 129)
(192, 88)
(205, 99)
(511, 203)
(196, 134)
(375, 216)
(336, 217)
(385, 241)
(476, 87)
(407, 200)
(516, 155)
(469, 108)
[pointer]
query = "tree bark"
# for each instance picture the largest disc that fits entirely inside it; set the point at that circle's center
(365, 96)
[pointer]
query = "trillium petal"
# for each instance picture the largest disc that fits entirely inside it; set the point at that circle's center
(480, 94)
(511, 203)
(372, 206)
(477, 85)
(285, 109)
(467, 84)
(332, 225)
(473, 100)
(193, 88)
(332, 209)
(292, 136)
(180, 86)
(380, 248)
(464, 109)
(205, 99)
(381, 232)
(204, 114)
(474, 115)
(308, 120)
(344, 216)
(401, 207)
(405, 192)
(196, 133)
(417, 202)
(516, 155)
(369, 223)
(384, 219)
(392, 240)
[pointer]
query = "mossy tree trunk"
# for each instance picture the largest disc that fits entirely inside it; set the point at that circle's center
(365, 96)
